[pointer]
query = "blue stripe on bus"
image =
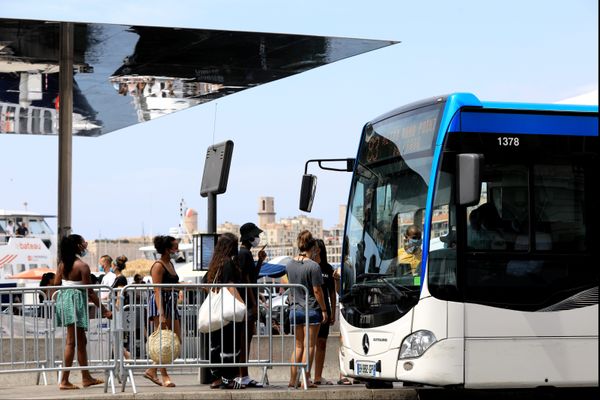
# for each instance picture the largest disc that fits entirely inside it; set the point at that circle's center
(540, 106)
(526, 124)
(454, 103)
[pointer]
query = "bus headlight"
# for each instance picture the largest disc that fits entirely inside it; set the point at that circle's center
(415, 344)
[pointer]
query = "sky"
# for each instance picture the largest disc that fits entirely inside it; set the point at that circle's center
(132, 181)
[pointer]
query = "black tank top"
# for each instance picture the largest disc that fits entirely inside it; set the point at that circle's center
(167, 277)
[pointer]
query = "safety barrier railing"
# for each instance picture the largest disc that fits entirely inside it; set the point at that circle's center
(33, 340)
(135, 327)
(24, 338)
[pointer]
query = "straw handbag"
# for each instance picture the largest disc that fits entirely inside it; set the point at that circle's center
(163, 346)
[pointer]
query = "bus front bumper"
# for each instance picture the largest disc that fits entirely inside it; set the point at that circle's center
(440, 365)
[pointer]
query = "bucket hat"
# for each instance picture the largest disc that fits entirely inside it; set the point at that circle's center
(248, 231)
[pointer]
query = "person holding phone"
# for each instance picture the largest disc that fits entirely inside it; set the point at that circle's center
(250, 237)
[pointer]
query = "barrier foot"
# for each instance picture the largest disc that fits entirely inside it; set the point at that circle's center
(112, 381)
(130, 374)
(304, 380)
(265, 377)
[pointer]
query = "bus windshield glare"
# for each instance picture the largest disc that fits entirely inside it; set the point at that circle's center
(381, 270)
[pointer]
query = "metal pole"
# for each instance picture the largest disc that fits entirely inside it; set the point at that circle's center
(211, 215)
(211, 227)
(65, 125)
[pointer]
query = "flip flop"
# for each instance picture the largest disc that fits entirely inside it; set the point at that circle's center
(70, 386)
(153, 379)
(92, 383)
(344, 381)
(168, 383)
(312, 385)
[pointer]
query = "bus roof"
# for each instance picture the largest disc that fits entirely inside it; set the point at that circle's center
(460, 100)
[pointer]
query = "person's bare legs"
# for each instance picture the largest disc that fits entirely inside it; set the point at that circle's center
(68, 358)
(297, 354)
(176, 327)
(245, 345)
(320, 358)
(313, 331)
(151, 372)
(82, 359)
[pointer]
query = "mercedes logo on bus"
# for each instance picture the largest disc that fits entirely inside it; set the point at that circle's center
(365, 343)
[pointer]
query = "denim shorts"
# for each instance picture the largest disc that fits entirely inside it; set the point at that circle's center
(298, 316)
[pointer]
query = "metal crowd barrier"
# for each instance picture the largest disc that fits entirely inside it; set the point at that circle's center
(134, 327)
(31, 341)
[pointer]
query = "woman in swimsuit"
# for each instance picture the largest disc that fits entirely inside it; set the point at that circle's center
(163, 301)
(72, 306)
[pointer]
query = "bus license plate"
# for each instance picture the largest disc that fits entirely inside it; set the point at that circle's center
(365, 368)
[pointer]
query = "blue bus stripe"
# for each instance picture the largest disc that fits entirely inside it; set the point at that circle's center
(527, 124)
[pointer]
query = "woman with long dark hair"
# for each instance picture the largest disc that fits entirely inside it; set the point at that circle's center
(163, 301)
(225, 344)
(330, 303)
(72, 306)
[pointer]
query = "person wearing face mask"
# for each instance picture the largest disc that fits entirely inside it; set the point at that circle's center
(106, 262)
(249, 236)
(162, 303)
(411, 252)
(71, 306)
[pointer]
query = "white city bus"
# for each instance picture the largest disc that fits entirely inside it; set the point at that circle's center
(506, 293)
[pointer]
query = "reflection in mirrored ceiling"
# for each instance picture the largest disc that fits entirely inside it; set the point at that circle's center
(125, 75)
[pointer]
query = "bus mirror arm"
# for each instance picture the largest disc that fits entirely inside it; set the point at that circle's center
(468, 167)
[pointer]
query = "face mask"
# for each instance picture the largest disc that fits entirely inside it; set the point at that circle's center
(100, 268)
(255, 242)
(412, 245)
(83, 253)
(175, 255)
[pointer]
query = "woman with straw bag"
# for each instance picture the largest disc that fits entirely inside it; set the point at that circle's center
(163, 301)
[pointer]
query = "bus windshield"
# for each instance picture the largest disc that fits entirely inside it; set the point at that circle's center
(381, 272)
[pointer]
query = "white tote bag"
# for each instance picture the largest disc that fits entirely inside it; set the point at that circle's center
(219, 309)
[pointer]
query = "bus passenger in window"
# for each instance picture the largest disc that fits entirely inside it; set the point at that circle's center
(484, 231)
(411, 252)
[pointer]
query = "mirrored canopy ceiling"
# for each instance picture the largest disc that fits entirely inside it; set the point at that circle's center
(125, 75)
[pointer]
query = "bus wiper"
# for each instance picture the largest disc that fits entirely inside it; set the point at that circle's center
(371, 276)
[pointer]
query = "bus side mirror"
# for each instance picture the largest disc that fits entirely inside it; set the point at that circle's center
(468, 176)
(307, 192)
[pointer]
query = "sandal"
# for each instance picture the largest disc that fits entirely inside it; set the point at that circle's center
(216, 384)
(69, 386)
(344, 381)
(312, 385)
(168, 383)
(153, 379)
(93, 382)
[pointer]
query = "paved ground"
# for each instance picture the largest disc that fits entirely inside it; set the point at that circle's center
(189, 388)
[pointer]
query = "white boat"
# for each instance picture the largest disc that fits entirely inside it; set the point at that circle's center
(19, 254)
